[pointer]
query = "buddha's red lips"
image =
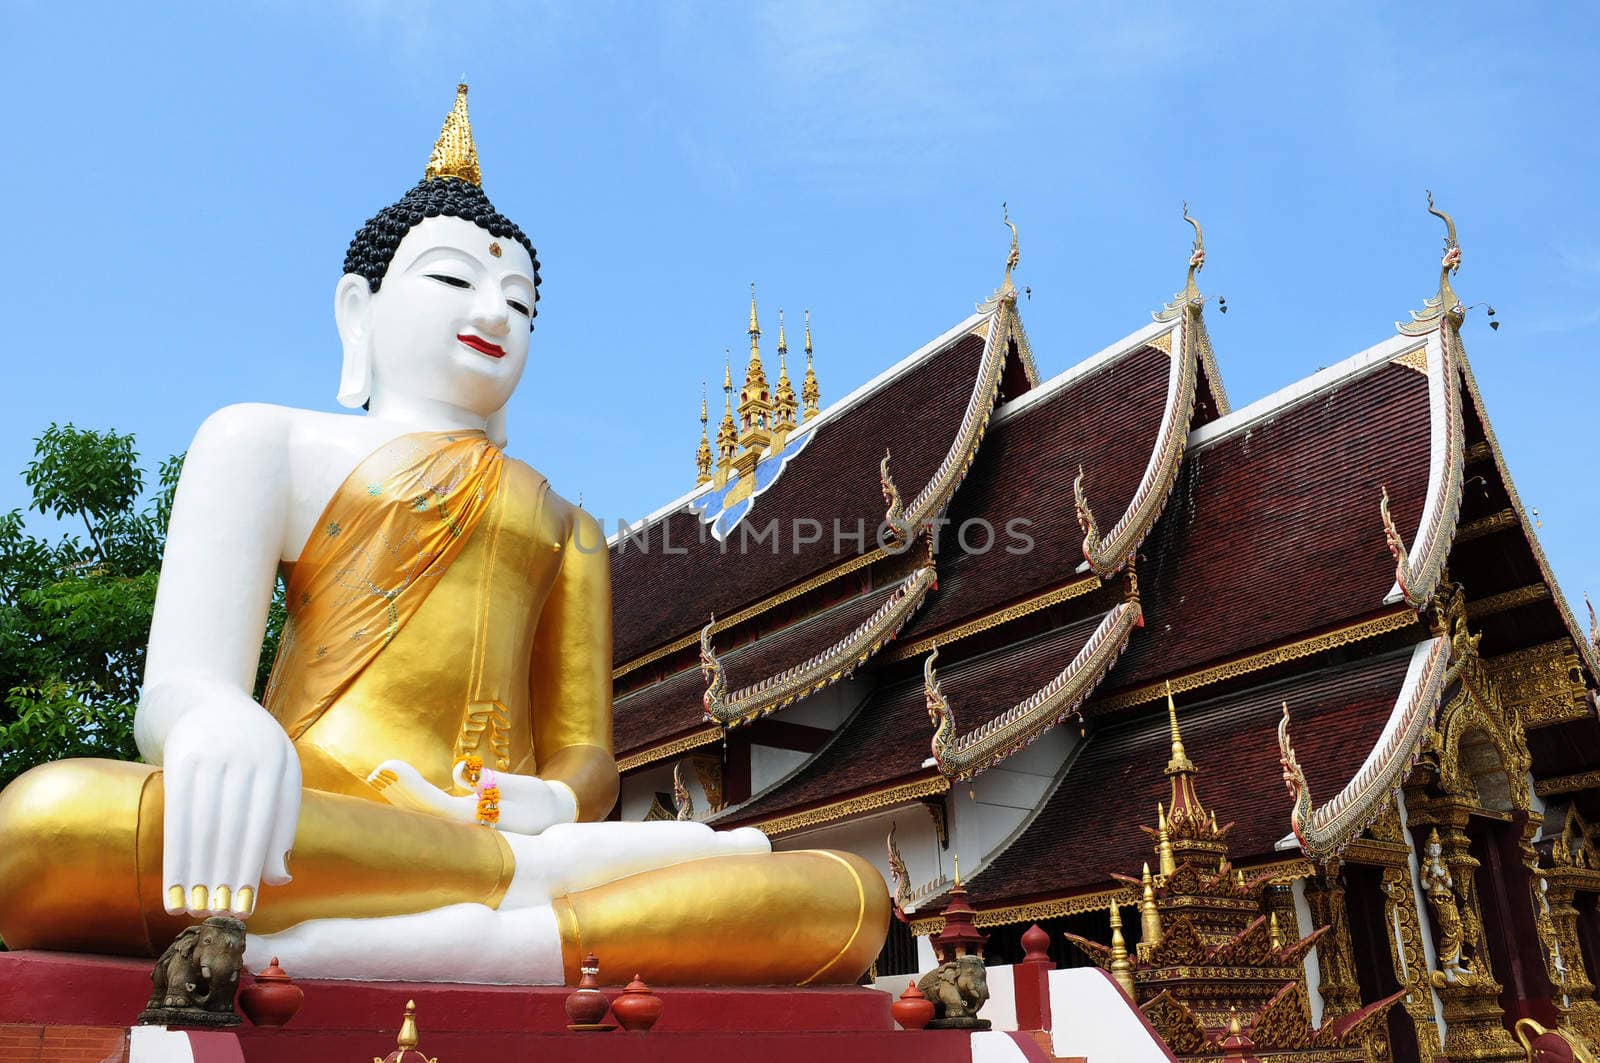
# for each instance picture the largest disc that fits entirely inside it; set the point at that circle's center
(482, 346)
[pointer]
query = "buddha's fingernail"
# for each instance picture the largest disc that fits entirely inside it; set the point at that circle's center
(244, 902)
(174, 898)
(221, 897)
(199, 897)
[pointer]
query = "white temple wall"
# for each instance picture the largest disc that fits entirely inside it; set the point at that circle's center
(987, 811)
(866, 836)
(827, 708)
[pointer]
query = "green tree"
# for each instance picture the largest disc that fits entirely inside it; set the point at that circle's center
(75, 613)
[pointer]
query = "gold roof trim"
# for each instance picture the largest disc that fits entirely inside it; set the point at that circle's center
(1255, 662)
(1515, 598)
(901, 793)
(963, 756)
(1557, 785)
(781, 598)
(818, 671)
(1075, 589)
(1106, 555)
(703, 737)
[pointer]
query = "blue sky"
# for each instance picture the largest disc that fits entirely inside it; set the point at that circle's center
(182, 186)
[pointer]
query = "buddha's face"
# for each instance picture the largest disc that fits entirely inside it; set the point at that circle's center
(450, 322)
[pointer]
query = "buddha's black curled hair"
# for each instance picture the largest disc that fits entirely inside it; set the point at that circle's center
(373, 247)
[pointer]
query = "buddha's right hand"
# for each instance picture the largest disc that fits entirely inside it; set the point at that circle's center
(232, 782)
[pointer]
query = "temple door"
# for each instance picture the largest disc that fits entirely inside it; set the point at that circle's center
(1504, 897)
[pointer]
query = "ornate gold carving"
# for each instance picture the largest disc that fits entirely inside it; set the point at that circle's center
(1163, 342)
(1515, 598)
(666, 750)
(1566, 784)
(1341, 992)
(869, 802)
(1571, 974)
(1494, 522)
(966, 755)
(1414, 359)
(820, 669)
(1543, 684)
(1409, 957)
(709, 771)
(1033, 912)
(757, 609)
(1072, 590)
(1589, 652)
(1255, 662)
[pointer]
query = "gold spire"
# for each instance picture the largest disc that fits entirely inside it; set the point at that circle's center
(755, 403)
(1274, 935)
(783, 401)
(1166, 859)
(1180, 760)
(810, 393)
(454, 153)
(1149, 917)
(727, 431)
(957, 858)
(702, 455)
(1121, 969)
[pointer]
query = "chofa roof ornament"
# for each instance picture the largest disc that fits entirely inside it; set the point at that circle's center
(1444, 303)
(1190, 296)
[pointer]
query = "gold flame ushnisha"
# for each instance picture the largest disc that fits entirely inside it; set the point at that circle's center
(454, 153)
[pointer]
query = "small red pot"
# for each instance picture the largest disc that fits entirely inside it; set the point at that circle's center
(586, 1006)
(273, 999)
(637, 1008)
(912, 1011)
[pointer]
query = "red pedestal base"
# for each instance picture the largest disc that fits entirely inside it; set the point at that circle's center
(345, 1022)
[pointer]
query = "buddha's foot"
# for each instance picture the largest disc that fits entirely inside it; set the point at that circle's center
(457, 943)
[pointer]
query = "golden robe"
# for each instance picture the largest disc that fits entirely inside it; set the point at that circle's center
(446, 602)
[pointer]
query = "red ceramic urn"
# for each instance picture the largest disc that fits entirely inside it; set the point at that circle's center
(586, 1006)
(912, 1011)
(637, 1008)
(273, 999)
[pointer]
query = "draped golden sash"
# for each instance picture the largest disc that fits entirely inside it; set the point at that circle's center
(382, 543)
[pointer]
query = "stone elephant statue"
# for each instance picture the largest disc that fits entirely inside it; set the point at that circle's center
(194, 981)
(1553, 1046)
(958, 989)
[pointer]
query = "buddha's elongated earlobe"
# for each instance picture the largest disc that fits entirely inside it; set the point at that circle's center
(352, 310)
(495, 428)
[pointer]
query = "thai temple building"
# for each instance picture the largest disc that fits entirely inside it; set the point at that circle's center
(1273, 710)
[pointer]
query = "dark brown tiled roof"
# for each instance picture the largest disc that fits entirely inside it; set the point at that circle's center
(658, 597)
(673, 706)
(1107, 422)
(1119, 776)
(1273, 533)
(888, 738)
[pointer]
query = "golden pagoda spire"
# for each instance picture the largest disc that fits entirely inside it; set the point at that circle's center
(1185, 802)
(407, 1038)
(755, 403)
(784, 405)
(1274, 935)
(727, 431)
(1121, 969)
(454, 153)
(810, 393)
(1149, 917)
(702, 455)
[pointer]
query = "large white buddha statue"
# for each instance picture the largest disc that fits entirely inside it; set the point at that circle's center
(449, 640)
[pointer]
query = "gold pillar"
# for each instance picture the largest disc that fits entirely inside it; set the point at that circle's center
(1573, 980)
(1410, 958)
(1341, 992)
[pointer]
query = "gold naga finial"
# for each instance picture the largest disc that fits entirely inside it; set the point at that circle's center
(1444, 303)
(454, 153)
(1014, 256)
(1190, 296)
(810, 392)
